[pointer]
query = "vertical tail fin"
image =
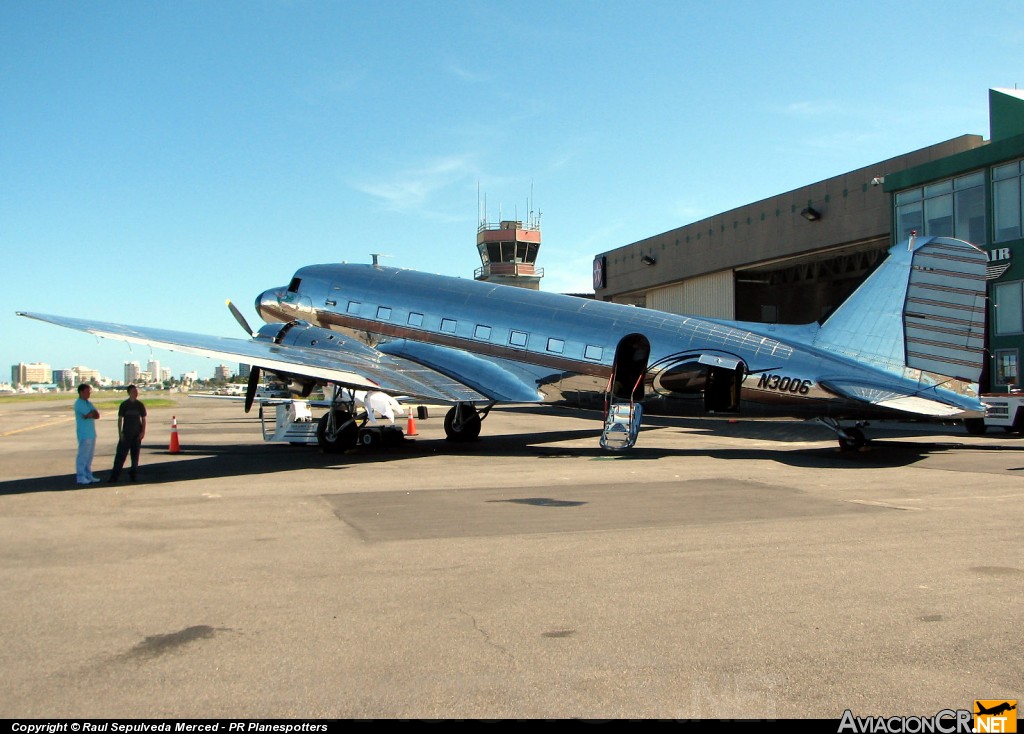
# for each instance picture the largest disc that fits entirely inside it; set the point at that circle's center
(923, 308)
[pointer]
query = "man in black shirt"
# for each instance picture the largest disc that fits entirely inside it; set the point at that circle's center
(131, 429)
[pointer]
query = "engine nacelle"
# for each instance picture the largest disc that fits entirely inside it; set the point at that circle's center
(301, 334)
(713, 379)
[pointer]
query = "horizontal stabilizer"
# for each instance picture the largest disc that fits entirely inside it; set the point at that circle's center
(893, 398)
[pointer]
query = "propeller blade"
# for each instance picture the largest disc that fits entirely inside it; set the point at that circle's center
(240, 318)
(250, 390)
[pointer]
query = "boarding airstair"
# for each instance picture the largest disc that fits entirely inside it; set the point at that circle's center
(621, 418)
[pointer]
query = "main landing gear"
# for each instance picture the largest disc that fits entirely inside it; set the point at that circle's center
(338, 430)
(462, 423)
(851, 438)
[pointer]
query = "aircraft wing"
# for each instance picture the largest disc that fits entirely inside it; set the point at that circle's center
(264, 401)
(340, 360)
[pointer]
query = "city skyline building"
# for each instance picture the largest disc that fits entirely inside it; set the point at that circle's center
(132, 371)
(32, 373)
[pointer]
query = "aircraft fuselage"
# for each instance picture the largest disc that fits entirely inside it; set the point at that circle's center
(519, 345)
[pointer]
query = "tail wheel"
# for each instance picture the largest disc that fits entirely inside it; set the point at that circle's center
(854, 440)
(976, 426)
(336, 432)
(462, 423)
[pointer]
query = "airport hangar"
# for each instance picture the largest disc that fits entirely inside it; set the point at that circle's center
(793, 257)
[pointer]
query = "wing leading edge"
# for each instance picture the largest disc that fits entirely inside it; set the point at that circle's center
(331, 358)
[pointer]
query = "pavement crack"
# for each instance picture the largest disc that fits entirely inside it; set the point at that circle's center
(487, 637)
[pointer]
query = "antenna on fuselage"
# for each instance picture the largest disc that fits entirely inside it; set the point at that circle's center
(375, 255)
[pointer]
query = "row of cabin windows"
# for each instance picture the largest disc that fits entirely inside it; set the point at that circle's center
(482, 332)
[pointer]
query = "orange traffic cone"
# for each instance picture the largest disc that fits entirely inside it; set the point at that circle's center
(410, 427)
(175, 446)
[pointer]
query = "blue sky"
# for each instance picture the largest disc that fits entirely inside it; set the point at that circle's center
(157, 158)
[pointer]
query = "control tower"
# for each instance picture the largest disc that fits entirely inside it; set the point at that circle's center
(508, 253)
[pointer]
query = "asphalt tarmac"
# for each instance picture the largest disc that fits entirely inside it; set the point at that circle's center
(719, 570)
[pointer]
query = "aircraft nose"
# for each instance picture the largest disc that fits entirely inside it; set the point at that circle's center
(268, 305)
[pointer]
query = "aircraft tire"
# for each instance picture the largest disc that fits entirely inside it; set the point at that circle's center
(855, 440)
(369, 439)
(392, 436)
(468, 431)
(343, 439)
(975, 426)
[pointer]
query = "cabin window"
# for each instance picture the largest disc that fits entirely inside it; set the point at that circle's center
(415, 319)
(293, 287)
(353, 307)
(556, 345)
(518, 338)
(593, 352)
(482, 332)
(449, 325)
(383, 313)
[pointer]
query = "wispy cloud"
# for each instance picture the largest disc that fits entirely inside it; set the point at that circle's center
(688, 213)
(567, 271)
(808, 108)
(468, 75)
(413, 190)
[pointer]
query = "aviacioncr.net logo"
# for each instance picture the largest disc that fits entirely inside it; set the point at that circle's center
(946, 721)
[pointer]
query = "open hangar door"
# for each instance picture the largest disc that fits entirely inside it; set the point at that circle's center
(806, 288)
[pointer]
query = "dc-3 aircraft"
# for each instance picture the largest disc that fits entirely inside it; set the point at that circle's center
(908, 343)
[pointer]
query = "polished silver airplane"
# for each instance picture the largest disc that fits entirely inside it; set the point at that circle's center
(909, 342)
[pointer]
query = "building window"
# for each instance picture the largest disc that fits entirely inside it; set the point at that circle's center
(383, 313)
(1008, 299)
(951, 208)
(448, 325)
(1006, 367)
(415, 319)
(517, 338)
(1008, 200)
(556, 345)
(482, 332)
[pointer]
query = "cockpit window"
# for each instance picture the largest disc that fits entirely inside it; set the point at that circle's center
(293, 287)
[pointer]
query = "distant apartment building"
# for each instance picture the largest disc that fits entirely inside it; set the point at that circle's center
(132, 372)
(35, 373)
(154, 370)
(65, 379)
(222, 372)
(87, 374)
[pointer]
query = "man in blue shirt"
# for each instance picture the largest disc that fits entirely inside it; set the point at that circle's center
(86, 416)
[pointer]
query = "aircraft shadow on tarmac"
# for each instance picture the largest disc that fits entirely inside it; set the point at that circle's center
(210, 461)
